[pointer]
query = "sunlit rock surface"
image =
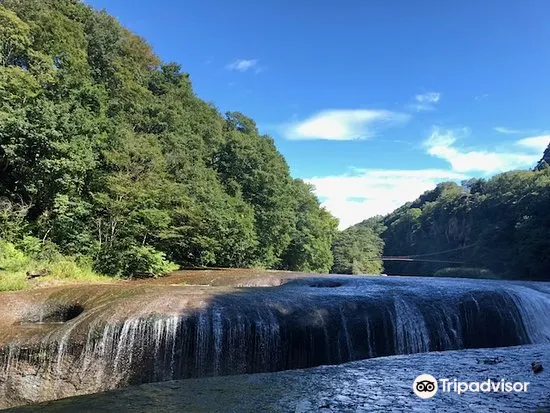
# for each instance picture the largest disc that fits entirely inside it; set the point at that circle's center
(65, 341)
(374, 385)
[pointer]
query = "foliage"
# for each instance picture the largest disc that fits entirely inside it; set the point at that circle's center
(108, 156)
(545, 161)
(311, 243)
(357, 250)
(145, 259)
(12, 281)
(107, 153)
(11, 259)
(31, 255)
(462, 272)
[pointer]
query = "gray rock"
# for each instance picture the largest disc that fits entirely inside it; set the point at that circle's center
(536, 366)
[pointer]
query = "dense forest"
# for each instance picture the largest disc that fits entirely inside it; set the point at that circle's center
(110, 164)
(483, 228)
(108, 157)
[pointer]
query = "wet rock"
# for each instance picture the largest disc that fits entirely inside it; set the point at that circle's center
(536, 366)
(491, 360)
(89, 338)
(35, 274)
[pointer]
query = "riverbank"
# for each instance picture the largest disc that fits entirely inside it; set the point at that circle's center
(20, 272)
(67, 273)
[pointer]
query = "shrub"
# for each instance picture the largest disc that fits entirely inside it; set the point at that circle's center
(33, 255)
(31, 246)
(146, 259)
(12, 281)
(465, 273)
(12, 259)
(71, 268)
(133, 260)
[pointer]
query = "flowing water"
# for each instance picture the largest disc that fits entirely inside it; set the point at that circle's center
(81, 341)
(380, 385)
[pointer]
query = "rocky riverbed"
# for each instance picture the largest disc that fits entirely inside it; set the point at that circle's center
(374, 385)
(71, 340)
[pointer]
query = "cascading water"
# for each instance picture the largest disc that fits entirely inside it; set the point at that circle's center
(164, 333)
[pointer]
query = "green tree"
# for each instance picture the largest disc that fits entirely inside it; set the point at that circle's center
(357, 250)
(315, 229)
(545, 161)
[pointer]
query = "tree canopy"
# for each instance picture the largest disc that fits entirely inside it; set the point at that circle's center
(357, 250)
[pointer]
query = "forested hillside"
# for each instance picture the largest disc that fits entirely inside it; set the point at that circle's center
(108, 156)
(497, 227)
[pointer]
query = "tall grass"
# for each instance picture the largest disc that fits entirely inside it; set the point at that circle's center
(14, 265)
(12, 281)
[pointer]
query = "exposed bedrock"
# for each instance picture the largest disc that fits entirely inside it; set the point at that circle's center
(65, 341)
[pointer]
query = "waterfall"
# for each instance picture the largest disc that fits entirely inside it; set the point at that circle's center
(303, 323)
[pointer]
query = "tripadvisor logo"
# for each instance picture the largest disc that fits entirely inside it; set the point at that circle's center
(426, 386)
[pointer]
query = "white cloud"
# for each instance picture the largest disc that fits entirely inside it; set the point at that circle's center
(535, 143)
(481, 97)
(430, 97)
(508, 131)
(426, 101)
(441, 144)
(343, 125)
(355, 197)
(242, 65)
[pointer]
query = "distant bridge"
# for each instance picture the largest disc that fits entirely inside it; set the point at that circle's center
(416, 259)
(420, 257)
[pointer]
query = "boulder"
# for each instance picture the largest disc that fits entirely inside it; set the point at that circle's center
(35, 274)
(536, 366)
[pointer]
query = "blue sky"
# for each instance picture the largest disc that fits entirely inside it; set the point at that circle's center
(375, 101)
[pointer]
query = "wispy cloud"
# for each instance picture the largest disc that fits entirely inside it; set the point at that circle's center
(535, 143)
(426, 101)
(243, 65)
(365, 193)
(509, 131)
(430, 97)
(343, 125)
(442, 144)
